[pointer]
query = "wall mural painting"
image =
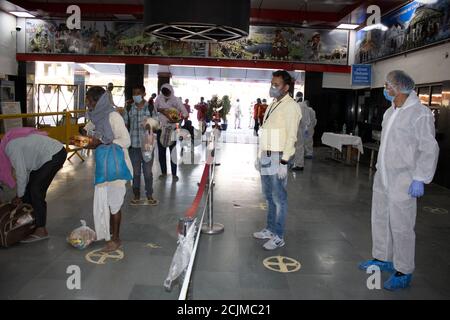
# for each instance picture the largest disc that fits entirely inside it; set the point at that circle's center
(410, 27)
(125, 38)
(289, 44)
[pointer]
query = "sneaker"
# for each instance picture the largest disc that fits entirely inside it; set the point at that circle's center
(296, 168)
(163, 176)
(263, 234)
(275, 242)
(398, 282)
(383, 265)
(175, 178)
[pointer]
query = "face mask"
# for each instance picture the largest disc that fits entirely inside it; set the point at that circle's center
(137, 99)
(274, 92)
(387, 96)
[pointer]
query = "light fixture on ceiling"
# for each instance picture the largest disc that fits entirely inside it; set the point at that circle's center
(22, 14)
(197, 20)
(427, 1)
(378, 26)
(347, 26)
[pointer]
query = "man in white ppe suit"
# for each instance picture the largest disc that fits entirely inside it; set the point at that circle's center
(299, 158)
(407, 160)
(309, 134)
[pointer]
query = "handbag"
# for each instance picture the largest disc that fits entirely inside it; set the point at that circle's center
(16, 223)
(110, 164)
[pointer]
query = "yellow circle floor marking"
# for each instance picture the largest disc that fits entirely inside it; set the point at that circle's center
(282, 264)
(263, 206)
(435, 210)
(152, 246)
(100, 257)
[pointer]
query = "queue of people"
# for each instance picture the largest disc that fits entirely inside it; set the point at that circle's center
(407, 160)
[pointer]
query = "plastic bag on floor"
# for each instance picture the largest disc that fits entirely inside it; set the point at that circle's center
(181, 257)
(82, 237)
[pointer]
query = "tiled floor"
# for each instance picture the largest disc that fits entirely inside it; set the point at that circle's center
(327, 231)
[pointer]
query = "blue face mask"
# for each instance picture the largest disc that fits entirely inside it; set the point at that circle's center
(274, 92)
(387, 96)
(137, 99)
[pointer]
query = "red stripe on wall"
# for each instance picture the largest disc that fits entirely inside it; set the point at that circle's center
(208, 62)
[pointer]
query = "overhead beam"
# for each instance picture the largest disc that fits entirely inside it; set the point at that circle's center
(256, 15)
(207, 62)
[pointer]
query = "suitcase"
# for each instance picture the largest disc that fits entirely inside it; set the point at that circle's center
(10, 231)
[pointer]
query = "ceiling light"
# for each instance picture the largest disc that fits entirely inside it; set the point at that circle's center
(22, 14)
(427, 1)
(378, 26)
(347, 26)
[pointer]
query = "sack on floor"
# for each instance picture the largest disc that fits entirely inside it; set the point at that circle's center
(82, 237)
(16, 223)
(110, 164)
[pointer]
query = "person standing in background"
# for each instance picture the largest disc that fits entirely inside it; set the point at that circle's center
(299, 158)
(309, 139)
(202, 109)
(167, 104)
(109, 90)
(134, 120)
(237, 115)
(262, 111)
(256, 115)
(187, 107)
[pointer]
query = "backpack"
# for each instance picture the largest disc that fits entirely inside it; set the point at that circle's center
(11, 231)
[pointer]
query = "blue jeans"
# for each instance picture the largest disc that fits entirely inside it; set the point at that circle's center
(140, 165)
(275, 192)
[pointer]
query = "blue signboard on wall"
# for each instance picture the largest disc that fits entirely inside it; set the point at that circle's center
(361, 75)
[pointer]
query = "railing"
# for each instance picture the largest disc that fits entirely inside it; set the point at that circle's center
(62, 132)
(206, 186)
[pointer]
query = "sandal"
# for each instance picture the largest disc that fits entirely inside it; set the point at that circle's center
(151, 202)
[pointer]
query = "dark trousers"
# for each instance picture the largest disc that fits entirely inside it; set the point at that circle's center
(38, 184)
(140, 165)
(162, 156)
(256, 128)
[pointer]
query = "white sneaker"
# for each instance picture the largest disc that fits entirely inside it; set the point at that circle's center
(263, 234)
(273, 243)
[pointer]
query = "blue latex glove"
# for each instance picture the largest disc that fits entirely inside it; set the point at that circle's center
(416, 189)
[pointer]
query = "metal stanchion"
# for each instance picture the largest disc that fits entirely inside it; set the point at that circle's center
(210, 227)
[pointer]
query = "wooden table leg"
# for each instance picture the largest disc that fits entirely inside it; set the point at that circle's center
(349, 154)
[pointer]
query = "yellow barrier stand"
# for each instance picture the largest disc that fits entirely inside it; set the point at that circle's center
(61, 133)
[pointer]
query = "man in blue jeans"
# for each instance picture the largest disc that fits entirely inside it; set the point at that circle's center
(276, 147)
(134, 117)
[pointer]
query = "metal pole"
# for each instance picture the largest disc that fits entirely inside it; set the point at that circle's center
(210, 227)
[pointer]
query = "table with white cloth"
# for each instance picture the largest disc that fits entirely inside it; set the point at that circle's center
(338, 141)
